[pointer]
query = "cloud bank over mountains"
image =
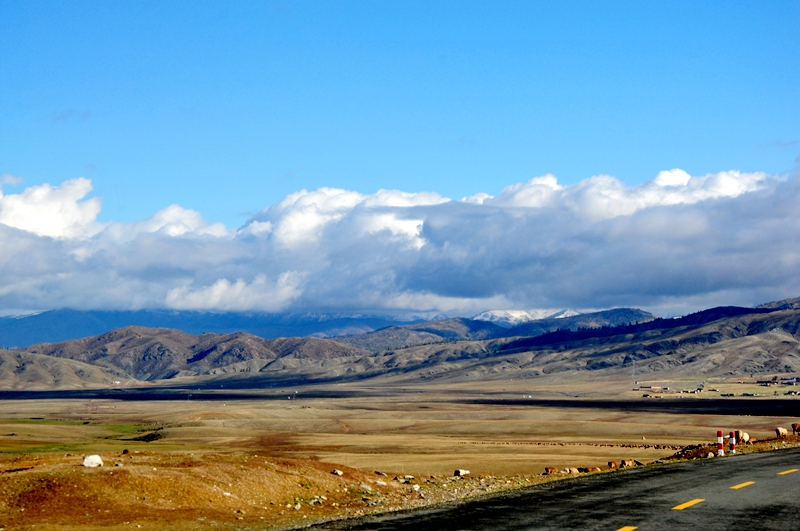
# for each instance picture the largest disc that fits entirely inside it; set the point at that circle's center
(675, 243)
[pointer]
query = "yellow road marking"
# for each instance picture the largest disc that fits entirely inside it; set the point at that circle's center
(687, 504)
(741, 485)
(788, 471)
(627, 528)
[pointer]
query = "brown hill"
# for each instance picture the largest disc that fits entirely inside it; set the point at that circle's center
(158, 353)
(785, 304)
(461, 329)
(719, 342)
(22, 370)
(741, 345)
(738, 345)
(394, 337)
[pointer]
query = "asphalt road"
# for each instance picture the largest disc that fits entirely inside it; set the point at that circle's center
(756, 492)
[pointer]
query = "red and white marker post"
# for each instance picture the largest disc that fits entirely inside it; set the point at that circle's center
(733, 442)
(720, 444)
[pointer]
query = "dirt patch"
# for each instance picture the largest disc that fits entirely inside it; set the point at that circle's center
(701, 451)
(178, 490)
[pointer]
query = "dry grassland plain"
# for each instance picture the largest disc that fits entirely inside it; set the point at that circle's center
(184, 455)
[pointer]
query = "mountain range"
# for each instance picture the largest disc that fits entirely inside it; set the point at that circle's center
(511, 318)
(724, 341)
(62, 325)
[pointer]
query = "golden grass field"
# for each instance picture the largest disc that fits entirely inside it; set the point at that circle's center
(268, 452)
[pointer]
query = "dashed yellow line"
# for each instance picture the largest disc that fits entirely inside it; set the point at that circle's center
(688, 504)
(701, 500)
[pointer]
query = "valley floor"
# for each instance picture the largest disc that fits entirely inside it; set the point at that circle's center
(265, 460)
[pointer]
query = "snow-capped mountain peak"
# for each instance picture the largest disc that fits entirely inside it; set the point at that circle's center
(510, 318)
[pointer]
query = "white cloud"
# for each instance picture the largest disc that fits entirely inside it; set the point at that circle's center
(55, 211)
(674, 242)
(603, 197)
(171, 221)
(302, 218)
(9, 179)
(238, 296)
(676, 177)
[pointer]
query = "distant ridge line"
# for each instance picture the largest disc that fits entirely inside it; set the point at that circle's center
(693, 319)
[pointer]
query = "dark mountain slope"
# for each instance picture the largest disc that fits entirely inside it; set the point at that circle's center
(605, 318)
(753, 343)
(565, 334)
(461, 329)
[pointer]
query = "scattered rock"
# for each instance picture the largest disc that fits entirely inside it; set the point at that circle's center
(460, 472)
(92, 461)
(380, 473)
(337, 472)
(573, 470)
(612, 464)
(710, 455)
(548, 470)
(627, 463)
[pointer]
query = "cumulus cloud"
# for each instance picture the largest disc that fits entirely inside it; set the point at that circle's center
(602, 197)
(675, 243)
(301, 219)
(238, 296)
(55, 211)
(172, 221)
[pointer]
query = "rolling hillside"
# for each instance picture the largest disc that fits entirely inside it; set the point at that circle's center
(158, 353)
(22, 370)
(394, 337)
(719, 342)
(461, 329)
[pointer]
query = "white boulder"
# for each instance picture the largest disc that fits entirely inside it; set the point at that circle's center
(92, 461)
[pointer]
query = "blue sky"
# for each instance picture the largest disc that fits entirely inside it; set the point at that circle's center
(133, 130)
(228, 107)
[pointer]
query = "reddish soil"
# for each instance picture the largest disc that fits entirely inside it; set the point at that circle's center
(197, 490)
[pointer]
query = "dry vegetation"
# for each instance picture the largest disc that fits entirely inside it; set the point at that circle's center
(266, 462)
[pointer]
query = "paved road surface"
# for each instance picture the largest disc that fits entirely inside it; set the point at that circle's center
(753, 492)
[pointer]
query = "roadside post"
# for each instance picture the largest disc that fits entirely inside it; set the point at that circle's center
(720, 444)
(733, 442)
